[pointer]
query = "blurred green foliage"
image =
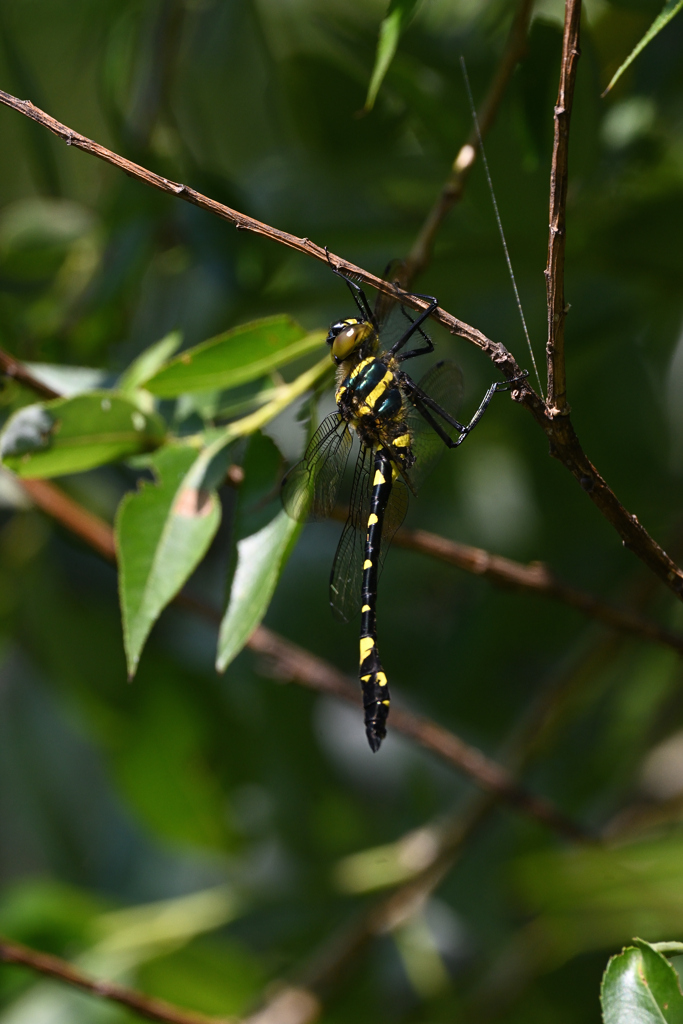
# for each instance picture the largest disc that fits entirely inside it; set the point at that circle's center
(239, 821)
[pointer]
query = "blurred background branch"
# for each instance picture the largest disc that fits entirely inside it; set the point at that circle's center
(451, 192)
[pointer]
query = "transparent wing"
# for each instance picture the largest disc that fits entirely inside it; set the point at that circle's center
(443, 383)
(310, 487)
(397, 506)
(347, 569)
(392, 317)
(387, 307)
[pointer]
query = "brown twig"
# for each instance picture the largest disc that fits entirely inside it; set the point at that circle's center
(54, 967)
(90, 528)
(535, 578)
(564, 444)
(11, 367)
(293, 664)
(452, 190)
(559, 174)
(240, 220)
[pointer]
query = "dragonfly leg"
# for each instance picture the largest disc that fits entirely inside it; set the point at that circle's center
(423, 403)
(359, 296)
(416, 326)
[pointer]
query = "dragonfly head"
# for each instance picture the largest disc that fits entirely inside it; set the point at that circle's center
(345, 336)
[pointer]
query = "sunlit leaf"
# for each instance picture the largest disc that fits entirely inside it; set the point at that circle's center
(263, 540)
(162, 533)
(240, 355)
(69, 435)
(397, 17)
(260, 560)
(668, 11)
(641, 987)
(149, 362)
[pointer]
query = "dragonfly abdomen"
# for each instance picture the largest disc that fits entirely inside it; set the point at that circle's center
(373, 679)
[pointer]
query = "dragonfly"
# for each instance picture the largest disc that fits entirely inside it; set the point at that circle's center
(403, 427)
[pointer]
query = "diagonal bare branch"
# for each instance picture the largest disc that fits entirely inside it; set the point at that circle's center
(61, 970)
(11, 367)
(535, 578)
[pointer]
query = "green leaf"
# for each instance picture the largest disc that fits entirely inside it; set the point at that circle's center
(399, 14)
(149, 362)
(235, 357)
(69, 435)
(162, 533)
(641, 987)
(668, 11)
(264, 538)
(260, 560)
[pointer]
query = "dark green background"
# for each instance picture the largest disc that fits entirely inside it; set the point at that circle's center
(114, 795)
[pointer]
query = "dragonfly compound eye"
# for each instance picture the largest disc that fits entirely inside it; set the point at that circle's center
(346, 336)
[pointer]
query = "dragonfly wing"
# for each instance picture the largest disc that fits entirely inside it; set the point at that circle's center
(347, 569)
(395, 513)
(443, 383)
(386, 304)
(310, 487)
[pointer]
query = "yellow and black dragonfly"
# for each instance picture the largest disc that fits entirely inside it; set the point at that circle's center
(402, 427)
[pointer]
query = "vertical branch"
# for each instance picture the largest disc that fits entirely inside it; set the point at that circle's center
(554, 272)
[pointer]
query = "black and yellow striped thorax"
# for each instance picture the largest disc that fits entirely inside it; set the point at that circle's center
(370, 399)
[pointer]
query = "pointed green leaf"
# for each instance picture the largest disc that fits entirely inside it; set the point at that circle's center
(162, 533)
(641, 987)
(149, 362)
(242, 354)
(668, 11)
(69, 435)
(260, 560)
(261, 543)
(399, 14)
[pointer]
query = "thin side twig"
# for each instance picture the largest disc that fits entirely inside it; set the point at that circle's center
(452, 191)
(559, 176)
(11, 367)
(564, 444)
(61, 970)
(292, 663)
(535, 578)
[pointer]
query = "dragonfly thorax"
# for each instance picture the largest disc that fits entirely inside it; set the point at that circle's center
(370, 399)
